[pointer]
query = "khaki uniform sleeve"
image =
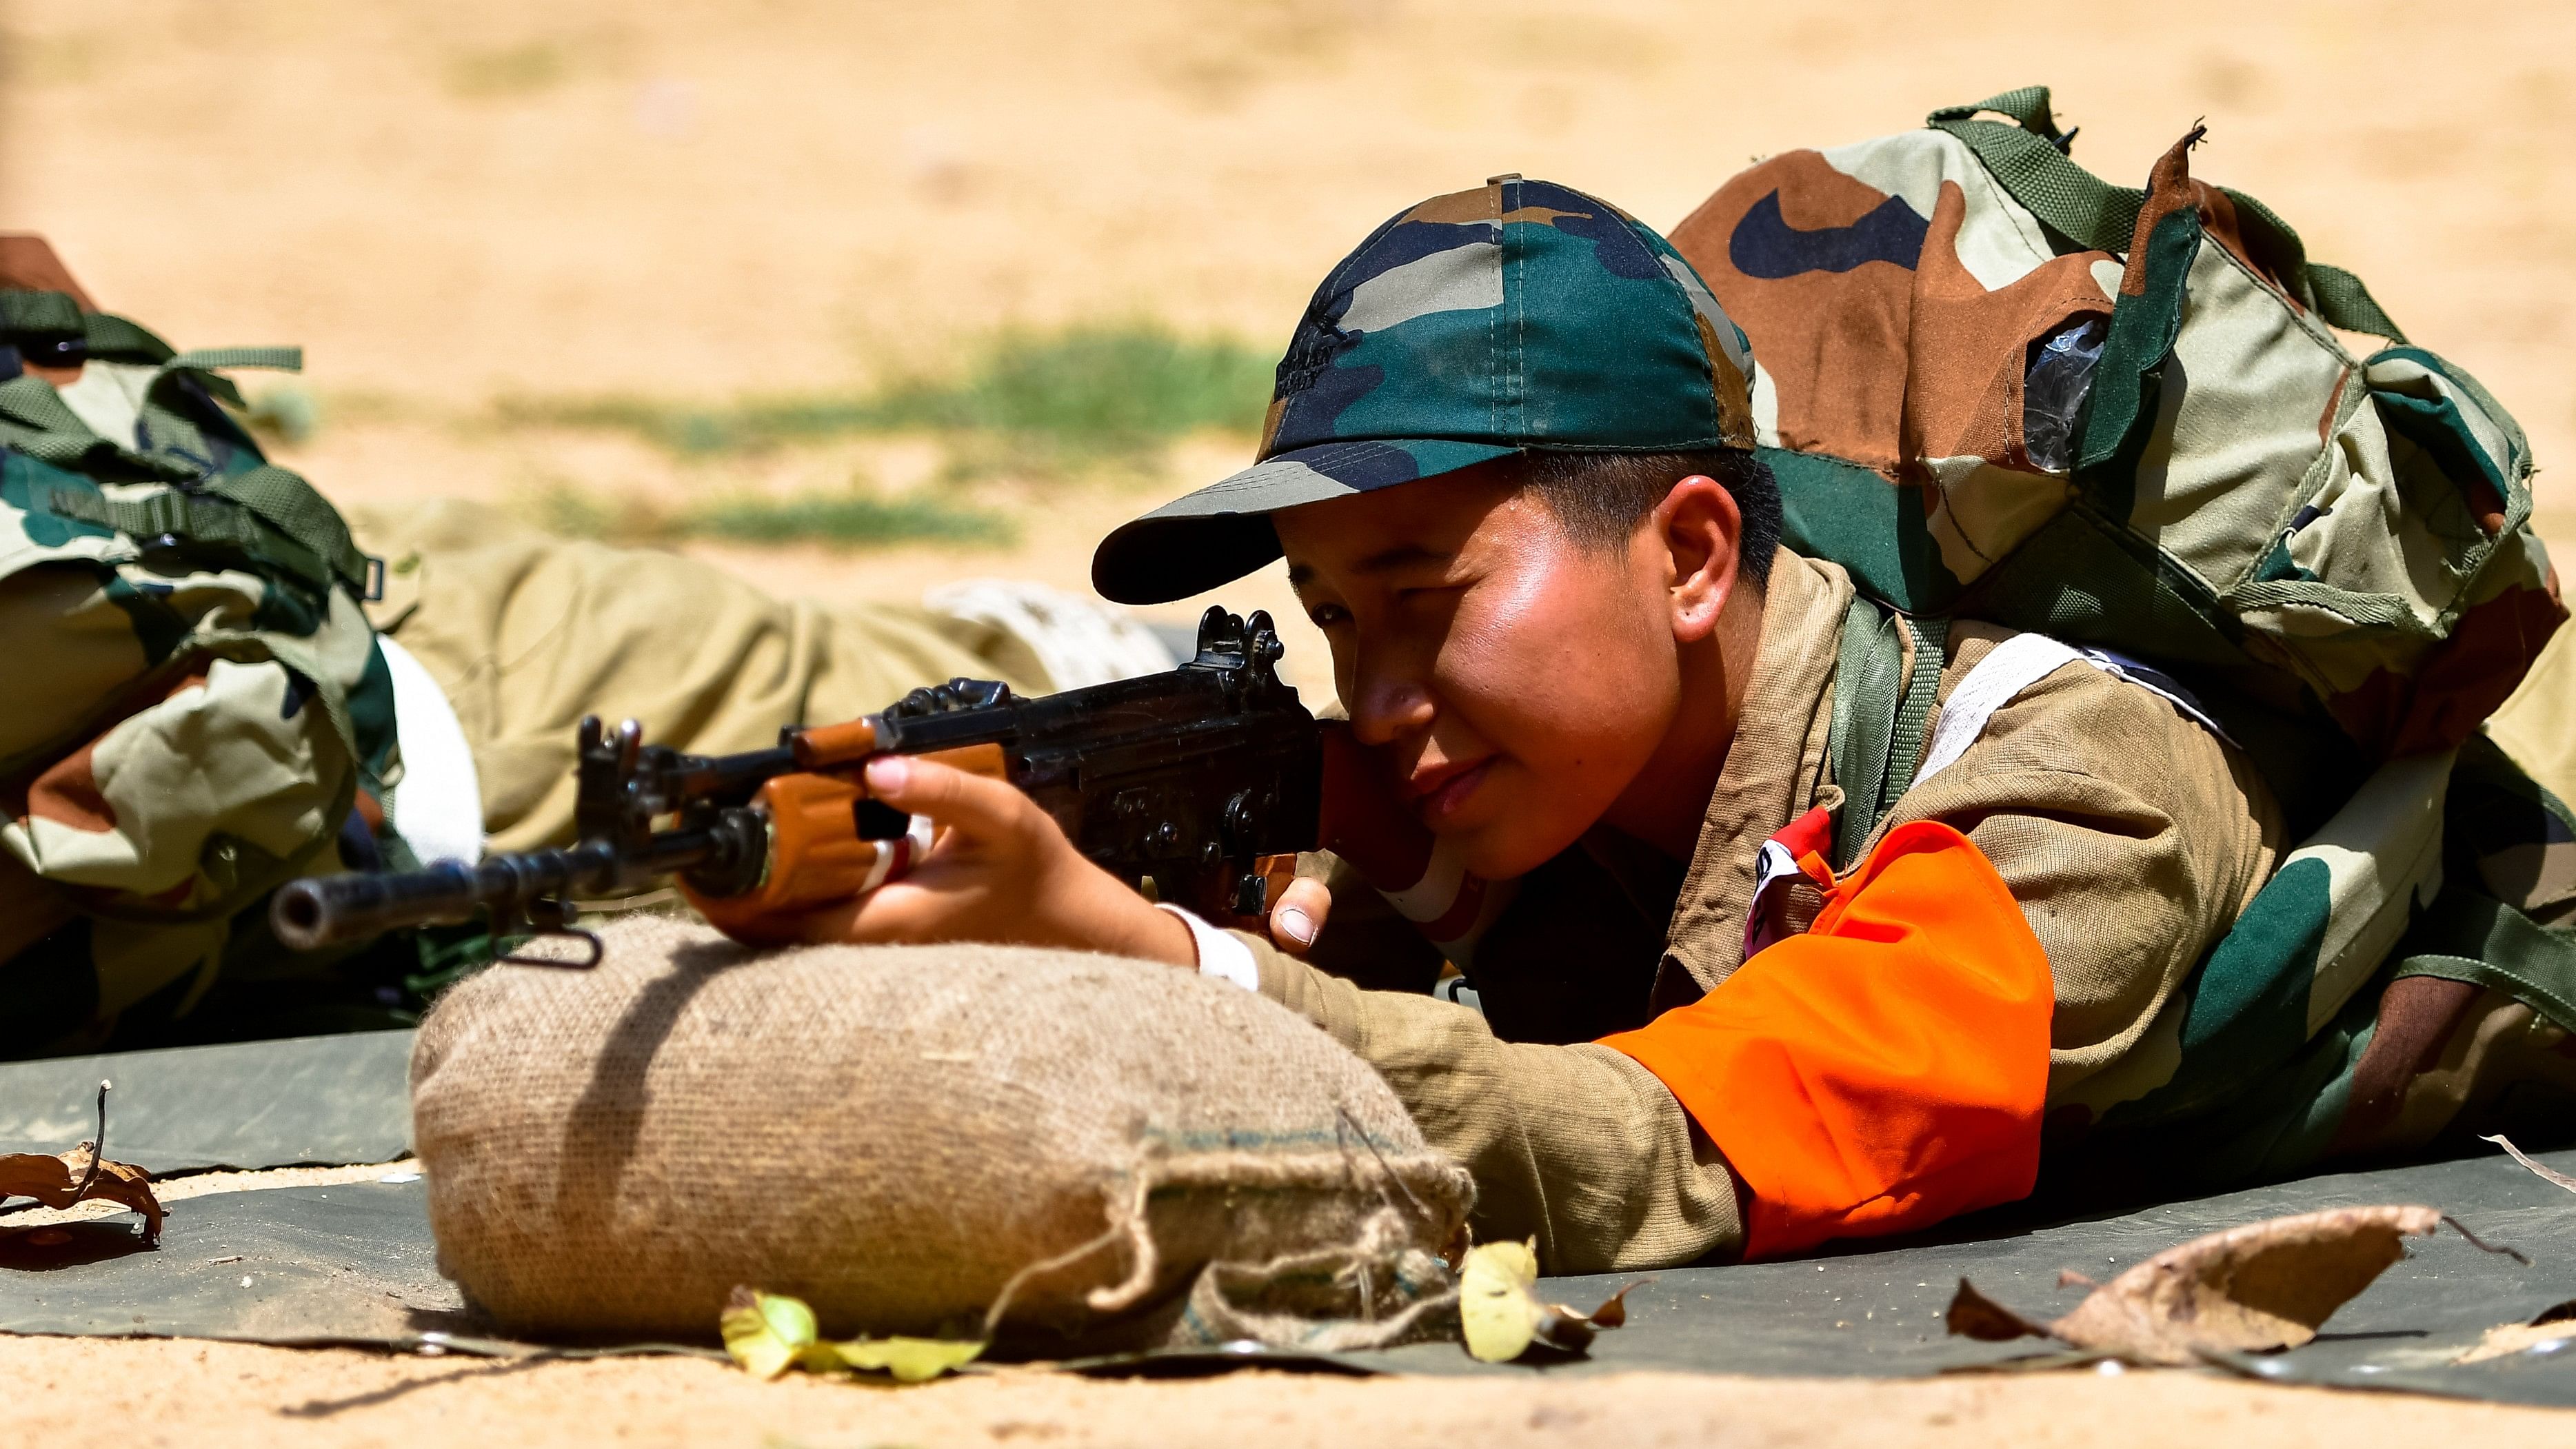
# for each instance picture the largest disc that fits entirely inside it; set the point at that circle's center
(2128, 833)
(1576, 1146)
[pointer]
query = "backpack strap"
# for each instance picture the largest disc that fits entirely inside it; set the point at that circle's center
(267, 512)
(2028, 159)
(35, 420)
(2494, 813)
(2484, 942)
(51, 329)
(270, 513)
(1875, 739)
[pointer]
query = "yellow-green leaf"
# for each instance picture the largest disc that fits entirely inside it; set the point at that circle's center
(770, 1333)
(910, 1360)
(1498, 1300)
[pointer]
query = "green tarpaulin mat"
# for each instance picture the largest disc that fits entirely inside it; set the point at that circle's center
(354, 1263)
(1880, 1312)
(351, 1263)
(318, 1101)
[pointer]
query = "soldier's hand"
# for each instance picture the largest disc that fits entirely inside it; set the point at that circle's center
(1298, 916)
(1000, 870)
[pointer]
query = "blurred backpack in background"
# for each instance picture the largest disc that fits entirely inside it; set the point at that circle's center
(198, 708)
(1995, 386)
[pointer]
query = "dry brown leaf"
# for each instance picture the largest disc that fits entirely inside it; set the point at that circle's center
(1613, 1312)
(1974, 1315)
(2265, 1285)
(2543, 1173)
(2556, 1323)
(55, 1181)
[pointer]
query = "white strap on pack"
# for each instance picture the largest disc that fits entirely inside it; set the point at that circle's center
(2020, 662)
(2014, 665)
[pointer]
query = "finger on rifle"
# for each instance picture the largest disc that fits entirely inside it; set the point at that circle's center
(1298, 917)
(973, 803)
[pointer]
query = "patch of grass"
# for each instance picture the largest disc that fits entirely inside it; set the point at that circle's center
(515, 70)
(284, 412)
(1093, 385)
(851, 518)
(1039, 402)
(576, 513)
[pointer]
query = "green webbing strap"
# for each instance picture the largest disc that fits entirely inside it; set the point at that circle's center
(2496, 946)
(2084, 208)
(118, 340)
(167, 421)
(288, 504)
(32, 403)
(1880, 708)
(269, 513)
(2027, 108)
(1868, 689)
(35, 420)
(39, 314)
(2024, 158)
(2343, 301)
(284, 359)
(25, 312)
(175, 513)
(1914, 711)
(110, 338)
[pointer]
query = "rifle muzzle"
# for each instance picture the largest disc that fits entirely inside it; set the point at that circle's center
(320, 911)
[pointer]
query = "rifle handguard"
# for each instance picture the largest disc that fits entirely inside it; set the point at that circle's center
(817, 856)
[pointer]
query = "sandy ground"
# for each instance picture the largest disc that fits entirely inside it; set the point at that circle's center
(712, 196)
(213, 1395)
(460, 202)
(219, 1396)
(454, 203)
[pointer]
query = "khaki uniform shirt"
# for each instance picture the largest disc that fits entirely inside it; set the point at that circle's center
(2129, 834)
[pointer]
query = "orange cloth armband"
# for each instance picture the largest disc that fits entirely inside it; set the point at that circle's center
(1883, 1071)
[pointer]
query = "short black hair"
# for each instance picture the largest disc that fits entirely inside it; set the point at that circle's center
(1599, 497)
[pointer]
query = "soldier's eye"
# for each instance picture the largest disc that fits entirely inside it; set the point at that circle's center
(1326, 616)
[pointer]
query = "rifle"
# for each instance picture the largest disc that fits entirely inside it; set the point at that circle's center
(1203, 781)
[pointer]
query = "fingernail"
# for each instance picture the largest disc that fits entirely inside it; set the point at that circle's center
(888, 772)
(1297, 925)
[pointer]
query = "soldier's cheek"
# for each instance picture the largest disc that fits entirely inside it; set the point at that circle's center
(1559, 672)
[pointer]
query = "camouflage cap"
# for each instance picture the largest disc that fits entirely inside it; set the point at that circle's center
(1521, 315)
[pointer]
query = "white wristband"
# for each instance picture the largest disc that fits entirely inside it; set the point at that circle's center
(1220, 955)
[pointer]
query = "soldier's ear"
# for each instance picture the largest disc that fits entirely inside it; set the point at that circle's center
(28, 263)
(1701, 533)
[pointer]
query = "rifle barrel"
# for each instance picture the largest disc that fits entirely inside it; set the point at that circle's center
(322, 911)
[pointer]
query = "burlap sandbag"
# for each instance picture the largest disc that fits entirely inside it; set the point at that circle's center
(900, 1134)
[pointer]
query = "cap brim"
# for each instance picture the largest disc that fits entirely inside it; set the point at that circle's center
(1222, 532)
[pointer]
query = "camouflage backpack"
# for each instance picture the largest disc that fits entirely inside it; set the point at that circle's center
(199, 707)
(1995, 386)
